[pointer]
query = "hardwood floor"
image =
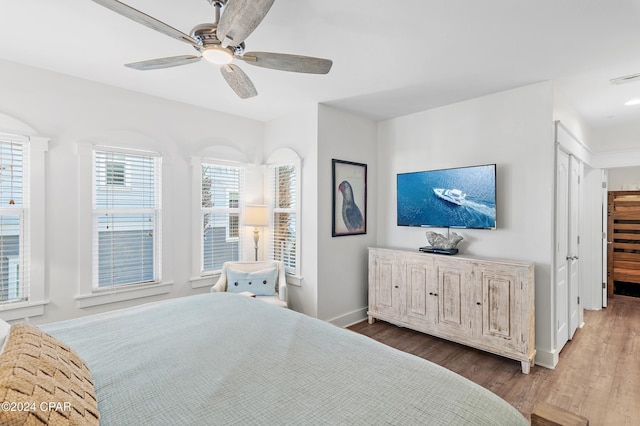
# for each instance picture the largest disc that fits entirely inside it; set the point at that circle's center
(598, 375)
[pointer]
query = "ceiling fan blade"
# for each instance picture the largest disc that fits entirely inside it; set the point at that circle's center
(285, 62)
(240, 18)
(144, 19)
(238, 80)
(154, 64)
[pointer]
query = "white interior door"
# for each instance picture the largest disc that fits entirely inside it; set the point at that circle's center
(562, 249)
(573, 245)
(605, 237)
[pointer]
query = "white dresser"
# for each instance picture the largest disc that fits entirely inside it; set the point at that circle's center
(484, 303)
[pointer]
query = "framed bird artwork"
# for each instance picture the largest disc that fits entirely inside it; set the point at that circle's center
(349, 198)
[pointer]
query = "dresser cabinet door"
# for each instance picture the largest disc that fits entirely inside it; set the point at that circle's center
(385, 292)
(454, 283)
(499, 304)
(419, 279)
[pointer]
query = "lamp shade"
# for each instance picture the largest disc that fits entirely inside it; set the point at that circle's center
(255, 215)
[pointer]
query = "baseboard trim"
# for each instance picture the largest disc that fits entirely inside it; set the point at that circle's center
(349, 318)
(546, 359)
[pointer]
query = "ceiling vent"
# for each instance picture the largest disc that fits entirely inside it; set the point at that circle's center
(626, 79)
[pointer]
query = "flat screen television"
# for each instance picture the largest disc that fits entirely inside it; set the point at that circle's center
(462, 197)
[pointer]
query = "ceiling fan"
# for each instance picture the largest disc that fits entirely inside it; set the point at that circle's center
(222, 41)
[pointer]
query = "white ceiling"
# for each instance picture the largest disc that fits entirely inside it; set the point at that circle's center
(391, 58)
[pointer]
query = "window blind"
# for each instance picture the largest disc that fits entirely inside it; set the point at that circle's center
(284, 196)
(14, 226)
(127, 212)
(222, 192)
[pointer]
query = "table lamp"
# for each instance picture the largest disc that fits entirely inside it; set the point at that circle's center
(255, 215)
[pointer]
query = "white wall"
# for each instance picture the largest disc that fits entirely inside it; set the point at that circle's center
(617, 137)
(565, 112)
(512, 129)
(624, 178)
(299, 132)
(69, 111)
(342, 261)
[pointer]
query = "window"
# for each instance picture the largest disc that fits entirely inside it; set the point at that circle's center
(126, 226)
(22, 226)
(115, 172)
(221, 195)
(283, 193)
(14, 225)
(234, 219)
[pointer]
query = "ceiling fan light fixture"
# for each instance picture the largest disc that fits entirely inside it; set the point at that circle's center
(218, 55)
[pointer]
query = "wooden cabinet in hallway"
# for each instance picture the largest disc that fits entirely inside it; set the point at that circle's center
(623, 264)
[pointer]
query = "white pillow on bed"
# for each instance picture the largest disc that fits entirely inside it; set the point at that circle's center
(260, 283)
(4, 332)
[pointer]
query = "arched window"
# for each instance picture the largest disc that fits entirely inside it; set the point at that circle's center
(283, 195)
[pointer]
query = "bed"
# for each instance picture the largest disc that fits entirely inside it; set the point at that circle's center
(223, 359)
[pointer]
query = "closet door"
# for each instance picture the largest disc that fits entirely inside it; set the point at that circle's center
(606, 236)
(574, 243)
(562, 249)
(567, 247)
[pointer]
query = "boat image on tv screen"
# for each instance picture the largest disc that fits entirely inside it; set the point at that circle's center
(463, 197)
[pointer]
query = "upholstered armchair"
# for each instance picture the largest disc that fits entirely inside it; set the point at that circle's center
(265, 279)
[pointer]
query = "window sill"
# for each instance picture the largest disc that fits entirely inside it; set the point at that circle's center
(204, 281)
(122, 294)
(295, 280)
(21, 310)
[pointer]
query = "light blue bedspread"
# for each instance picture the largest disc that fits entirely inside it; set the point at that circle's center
(227, 359)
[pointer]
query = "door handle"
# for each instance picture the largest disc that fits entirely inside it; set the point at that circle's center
(572, 257)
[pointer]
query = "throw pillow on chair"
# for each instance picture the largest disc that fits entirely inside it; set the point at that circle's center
(260, 283)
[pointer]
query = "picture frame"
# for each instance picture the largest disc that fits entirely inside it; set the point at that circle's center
(349, 192)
